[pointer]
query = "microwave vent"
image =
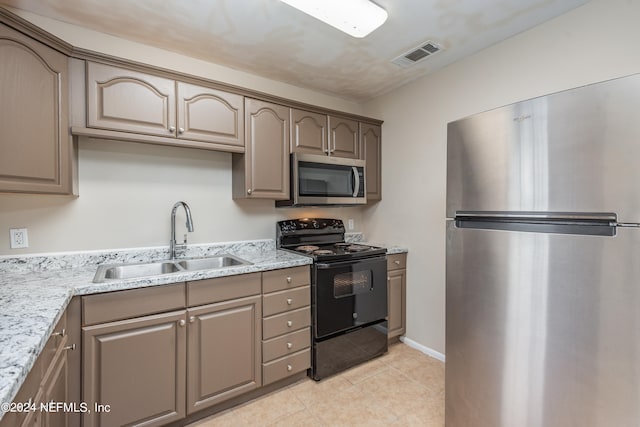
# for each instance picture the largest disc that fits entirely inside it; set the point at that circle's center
(417, 54)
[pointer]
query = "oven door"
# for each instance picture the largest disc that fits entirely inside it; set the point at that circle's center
(349, 294)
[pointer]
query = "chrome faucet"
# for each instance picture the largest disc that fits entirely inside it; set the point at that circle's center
(172, 243)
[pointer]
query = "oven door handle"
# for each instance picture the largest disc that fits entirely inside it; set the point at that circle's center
(324, 266)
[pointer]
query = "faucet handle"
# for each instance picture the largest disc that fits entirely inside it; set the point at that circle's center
(185, 239)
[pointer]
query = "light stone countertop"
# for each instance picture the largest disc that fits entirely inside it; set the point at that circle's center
(34, 294)
(36, 289)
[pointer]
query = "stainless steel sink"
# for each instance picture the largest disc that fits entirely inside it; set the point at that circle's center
(148, 269)
(207, 263)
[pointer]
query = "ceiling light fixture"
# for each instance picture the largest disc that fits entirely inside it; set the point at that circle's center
(354, 17)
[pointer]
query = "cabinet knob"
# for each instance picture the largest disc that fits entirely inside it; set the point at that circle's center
(180, 130)
(192, 319)
(172, 129)
(62, 333)
(289, 345)
(182, 322)
(249, 191)
(289, 279)
(289, 323)
(69, 347)
(396, 262)
(289, 301)
(289, 368)
(388, 277)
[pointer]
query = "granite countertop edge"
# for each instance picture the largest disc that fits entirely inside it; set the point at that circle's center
(47, 293)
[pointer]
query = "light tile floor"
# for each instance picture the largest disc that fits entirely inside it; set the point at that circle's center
(402, 388)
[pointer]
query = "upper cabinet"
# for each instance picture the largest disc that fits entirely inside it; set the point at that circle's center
(36, 151)
(344, 138)
(210, 115)
(128, 101)
(371, 140)
(262, 172)
(309, 132)
(147, 107)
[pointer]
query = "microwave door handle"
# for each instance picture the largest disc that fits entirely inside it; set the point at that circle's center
(356, 181)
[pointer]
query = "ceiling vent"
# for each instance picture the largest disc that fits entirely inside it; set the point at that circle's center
(417, 54)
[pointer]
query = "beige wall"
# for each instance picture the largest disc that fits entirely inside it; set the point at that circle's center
(595, 42)
(127, 190)
(126, 194)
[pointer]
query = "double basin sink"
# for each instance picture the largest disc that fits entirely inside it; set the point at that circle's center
(149, 269)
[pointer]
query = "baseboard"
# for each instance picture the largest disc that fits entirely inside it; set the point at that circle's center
(426, 350)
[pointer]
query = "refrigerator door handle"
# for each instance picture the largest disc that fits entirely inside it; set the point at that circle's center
(549, 216)
(625, 224)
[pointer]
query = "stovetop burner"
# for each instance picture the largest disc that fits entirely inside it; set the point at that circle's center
(357, 248)
(323, 252)
(307, 248)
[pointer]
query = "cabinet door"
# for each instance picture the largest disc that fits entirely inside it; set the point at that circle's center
(344, 138)
(137, 367)
(224, 351)
(210, 115)
(55, 388)
(125, 100)
(370, 138)
(35, 146)
(396, 288)
(266, 160)
(309, 132)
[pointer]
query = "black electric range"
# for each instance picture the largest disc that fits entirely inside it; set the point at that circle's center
(348, 293)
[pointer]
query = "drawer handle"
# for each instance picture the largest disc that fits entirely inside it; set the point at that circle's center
(289, 301)
(62, 333)
(396, 262)
(289, 368)
(289, 323)
(289, 279)
(289, 345)
(70, 347)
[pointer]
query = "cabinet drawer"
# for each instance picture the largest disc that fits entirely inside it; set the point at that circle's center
(286, 322)
(282, 368)
(396, 261)
(286, 344)
(287, 278)
(208, 291)
(290, 299)
(112, 306)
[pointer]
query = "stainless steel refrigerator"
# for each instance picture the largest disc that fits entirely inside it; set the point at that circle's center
(543, 262)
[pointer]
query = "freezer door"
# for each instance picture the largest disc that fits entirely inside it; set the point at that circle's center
(574, 151)
(542, 329)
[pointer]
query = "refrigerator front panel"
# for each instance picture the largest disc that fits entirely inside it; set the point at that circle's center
(542, 329)
(574, 151)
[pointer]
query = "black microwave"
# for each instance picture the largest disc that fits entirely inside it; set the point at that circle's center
(322, 180)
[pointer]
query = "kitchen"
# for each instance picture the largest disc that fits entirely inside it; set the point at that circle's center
(118, 208)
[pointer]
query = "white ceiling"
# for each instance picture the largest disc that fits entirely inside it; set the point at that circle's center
(271, 39)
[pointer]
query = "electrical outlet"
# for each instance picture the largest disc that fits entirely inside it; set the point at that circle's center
(19, 238)
(350, 224)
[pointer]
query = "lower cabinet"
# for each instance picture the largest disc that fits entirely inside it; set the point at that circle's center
(286, 332)
(164, 365)
(45, 386)
(134, 370)
(396, 294)
(224, 351)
